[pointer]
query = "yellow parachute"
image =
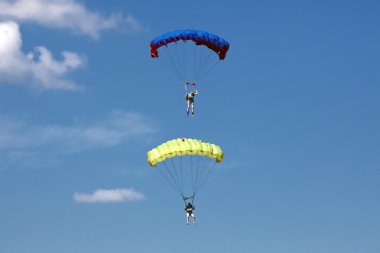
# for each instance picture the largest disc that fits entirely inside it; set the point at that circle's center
(185, 163)
(184, 146)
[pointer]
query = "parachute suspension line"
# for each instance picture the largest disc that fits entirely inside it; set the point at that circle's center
(168, 180)
(181, 169)
(192, 173)
(167, 62)
(181, 52)
(201, 171)
(198, 66)
(194, 61)
(208, 69)
(184, 200)
(204, 62)
(173, 63)
(172, 174)
(198, 170)
(177, 187)
(193, 199)
(173, 58)
(208, 173)
(211, 68)
(194, 182)
(182, 46)
(177, 60)
(178, 178)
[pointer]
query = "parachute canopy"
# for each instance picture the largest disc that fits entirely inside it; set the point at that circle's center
(185, 163)
(212, 41)
(184, 146)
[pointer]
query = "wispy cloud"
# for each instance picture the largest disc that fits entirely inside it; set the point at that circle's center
(35, 69)
(68, 14)
(18, 137)
(109, 195)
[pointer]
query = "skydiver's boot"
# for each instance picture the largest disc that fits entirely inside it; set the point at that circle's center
(187, 113)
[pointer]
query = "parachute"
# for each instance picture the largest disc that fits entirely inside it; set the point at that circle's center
(212, 41)
(191, 54)
(185, 164)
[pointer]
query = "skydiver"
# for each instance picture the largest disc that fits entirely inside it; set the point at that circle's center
(189, 212)
(190, 98)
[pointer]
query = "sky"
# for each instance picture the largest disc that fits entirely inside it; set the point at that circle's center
(294, 106)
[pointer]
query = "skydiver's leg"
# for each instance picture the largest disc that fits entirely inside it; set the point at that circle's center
(193, 216)
(188, 107)
(192, 108)
(187, 218)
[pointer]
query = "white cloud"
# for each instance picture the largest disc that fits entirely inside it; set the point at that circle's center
(36, 69)
(109, 195)
(114, 129)
(69, 14)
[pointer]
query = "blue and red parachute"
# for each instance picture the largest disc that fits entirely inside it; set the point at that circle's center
(212, 41)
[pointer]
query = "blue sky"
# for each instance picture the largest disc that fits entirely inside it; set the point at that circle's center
(295, 107)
